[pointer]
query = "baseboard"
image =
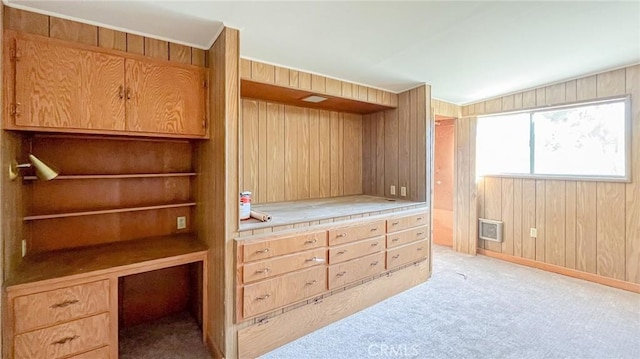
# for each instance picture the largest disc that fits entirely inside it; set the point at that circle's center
(616, 283)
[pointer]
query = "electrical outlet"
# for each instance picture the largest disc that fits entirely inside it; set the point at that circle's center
(533, 232)
(182, 222)
(403, 191)
(24, 247)
(393, 190)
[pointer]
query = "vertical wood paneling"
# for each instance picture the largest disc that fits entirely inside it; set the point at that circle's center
(333, 87)
(304, 80)
(413, 155)
(507, 216)
(302, 118)
(367, 155)
(480, 108)
(423, 95)
(632, 192)
(610, 249)
(180, 53)
(404, 146)
(540, 217)
(363, 93)
(156, 48)
(337, 168)
(277, 149)
(493, 206)
(347, 89)
(555, 94)
(314, 153)
(263, 153)
(481, 214)
(249, 126)
(318, 83)
(554, 222)
(290, 155)
(586, 88)
(352, 154)
(73, 31)
(472, 245)
(391, 152)
(541, 99)
(507, 103)
(518, 230)
(528, 218)
(571, 91)
(611, 83)
(263, 72)
(112, 39)
(461, 193)
(135, 44)
(570, 224)
(380, 164)
(529, 99)
(325, 154)
(282, 76)
(586, 226)
(493, 106)
(517, 101)
(198, 57)
(245, 68)
(294, 79)
(26, 21)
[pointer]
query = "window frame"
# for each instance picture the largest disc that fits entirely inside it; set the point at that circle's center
(626, 178)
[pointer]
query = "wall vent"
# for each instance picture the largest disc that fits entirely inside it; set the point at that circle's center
(490, 230)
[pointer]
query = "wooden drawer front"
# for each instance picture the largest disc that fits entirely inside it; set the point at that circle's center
(350, 234)
(64, 339)
(348, 272)
(401, 223)
(355, 250)
(406, 254)
(408, 236)
(280, 265)
(102, 353)
(60, 305)
(283, 245)
(280, 291)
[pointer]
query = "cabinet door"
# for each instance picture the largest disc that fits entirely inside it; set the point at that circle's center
(163, 98)
(63, 87)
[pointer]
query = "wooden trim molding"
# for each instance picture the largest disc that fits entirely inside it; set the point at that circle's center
(616, 283)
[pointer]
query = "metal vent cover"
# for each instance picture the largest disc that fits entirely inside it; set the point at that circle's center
(490, 230)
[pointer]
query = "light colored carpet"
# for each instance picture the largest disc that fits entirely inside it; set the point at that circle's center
(479, 307)
(173, 337)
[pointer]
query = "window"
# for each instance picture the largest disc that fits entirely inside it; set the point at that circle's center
(586, 141)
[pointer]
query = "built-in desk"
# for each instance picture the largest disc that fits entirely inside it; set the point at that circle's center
(65, 303)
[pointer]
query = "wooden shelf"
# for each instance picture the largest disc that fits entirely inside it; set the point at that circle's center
(107, 211)
(116, 176)
(106, 258)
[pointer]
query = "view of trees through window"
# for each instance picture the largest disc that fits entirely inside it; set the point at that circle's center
(588, 140)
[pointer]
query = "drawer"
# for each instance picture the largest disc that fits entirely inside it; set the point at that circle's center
(407, 254)
(284, 264)
(351, 271)
(273, 293)
(407, 236)
(102, 353)
(64, 339)
(278, 246)
(355, 250)
(354, 233)
(401, 223)
(60, 305)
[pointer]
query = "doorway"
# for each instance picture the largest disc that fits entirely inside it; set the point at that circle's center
(443, 181)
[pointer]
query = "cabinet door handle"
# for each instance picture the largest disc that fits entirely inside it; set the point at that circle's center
(311, 241)
(65, 340)
(264, 270)
(266, 250)
(311, 282)
(374, 244)
(66, 303)
(396, 256)
(419, 218)
(374, 229)
(121, 92)
(128, 93)
(395, 223)
(342, 252)
(395, 239)
(419, 249)
(263, 297)
(341, 235)
(341, 274)
(419, 233)
(374, 263)
(315, 259)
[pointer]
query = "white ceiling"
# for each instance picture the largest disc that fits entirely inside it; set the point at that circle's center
(466, 51)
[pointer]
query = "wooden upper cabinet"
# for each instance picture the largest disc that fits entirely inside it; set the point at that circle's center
(164, 98)
(61, 87)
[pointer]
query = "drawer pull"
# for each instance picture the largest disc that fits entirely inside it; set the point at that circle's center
(65, 340)
(396, 256)
(311, 241)
(315, 259)
(341, 274)
(374, 229)
(266, 250)
(264, 270)
(395, 223)
(419, 233)
(374, 244)
(341, 235)
(341, 252)
(374, 263)
(419, 249)
(395, 239)
(263, 297)
(66, 303)
(311, 282)
(419, 219)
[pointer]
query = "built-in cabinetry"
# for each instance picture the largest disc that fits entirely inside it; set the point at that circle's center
(53, 85)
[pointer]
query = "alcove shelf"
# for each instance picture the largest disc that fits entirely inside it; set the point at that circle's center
(116, 176)
(108, 211)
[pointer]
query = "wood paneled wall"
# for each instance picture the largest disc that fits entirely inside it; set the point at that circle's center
(43, 25)
(591, 227)
(397, 147)
(291, 153)
(281, 76)
(446, 109)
